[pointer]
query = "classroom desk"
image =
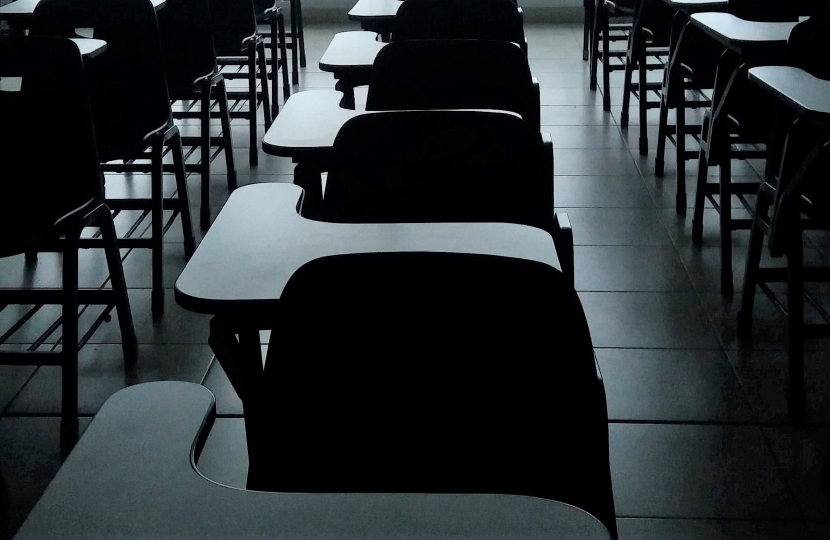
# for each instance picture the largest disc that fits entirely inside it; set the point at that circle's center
(350, 57)
(132, 475)
(19, 14)
(259, 240)
(745, 44)
(807, 95)
(376, 15)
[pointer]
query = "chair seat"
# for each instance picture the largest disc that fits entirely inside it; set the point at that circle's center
(351, 50)
(809, 94)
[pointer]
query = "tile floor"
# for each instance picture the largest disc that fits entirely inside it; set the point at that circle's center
(701, 445)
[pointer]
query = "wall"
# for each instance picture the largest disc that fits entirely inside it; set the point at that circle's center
(535, 10)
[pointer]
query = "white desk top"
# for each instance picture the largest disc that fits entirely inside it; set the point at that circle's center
(132, 476)
(374, 10)
(308, 122)
(90, 48)
(260, 226)
(351, 51)
(24, 9)
(803, 92)
(731, 30)
(698, 3)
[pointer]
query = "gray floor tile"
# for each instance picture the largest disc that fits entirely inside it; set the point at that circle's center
(697, 471)
(764, 376)
(101, 373)
(30, 454)
(647, 320)
(224, 458)
(585, 137)
(569, 96)
(629, 269)
(593, 162)
(568, 115)
(661, 385)
(801, 451)
(12, 379)
(617, 226)
(601, 192)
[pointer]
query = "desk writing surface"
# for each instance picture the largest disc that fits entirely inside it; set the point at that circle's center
(132, 476)
(259, 240)
(308, 123)
(351, 50)
(731, 30)
(23, 10)
(369, 10)
(795, 87)
(90, 48)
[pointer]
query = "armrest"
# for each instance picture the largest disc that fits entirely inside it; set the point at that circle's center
(537, 106)
(563, 240)
(547, 168)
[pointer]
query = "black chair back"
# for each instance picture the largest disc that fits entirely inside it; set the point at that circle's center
(454, 74)
(233, 22)
(498, 20)
(127, 83)
(436, 373)
(807, 46)
(50, 164)
(436, 166)
(772, 10)
(187, 40)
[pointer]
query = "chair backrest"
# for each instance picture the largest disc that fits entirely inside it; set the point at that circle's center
(454, 74)
(807, 46)
(233, 21)
(498, 20)
(50, 168)
(127, 83)
(772, 10)
(187, 41)
(437, 166)
(425, 373)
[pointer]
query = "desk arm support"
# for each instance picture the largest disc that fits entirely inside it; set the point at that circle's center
(547, 168)
(563, 240)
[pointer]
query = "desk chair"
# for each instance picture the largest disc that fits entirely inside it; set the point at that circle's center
(735, 127)
(48, 200)
(494, 20)
(432, 373)
(193, 75)
(131, 110)
(650, 37)
(238, 44)
(794, 196)
(437, 166)
(454, 74)
(689, 81)
(497, 20)
(269, 14)
(603, 13)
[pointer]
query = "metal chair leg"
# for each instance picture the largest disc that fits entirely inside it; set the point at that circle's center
(69, 342)
(221, 96)
(182, 195)
(204, 172)
(129, 342)
(286, 87)
(157, 228)
(253, 158)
